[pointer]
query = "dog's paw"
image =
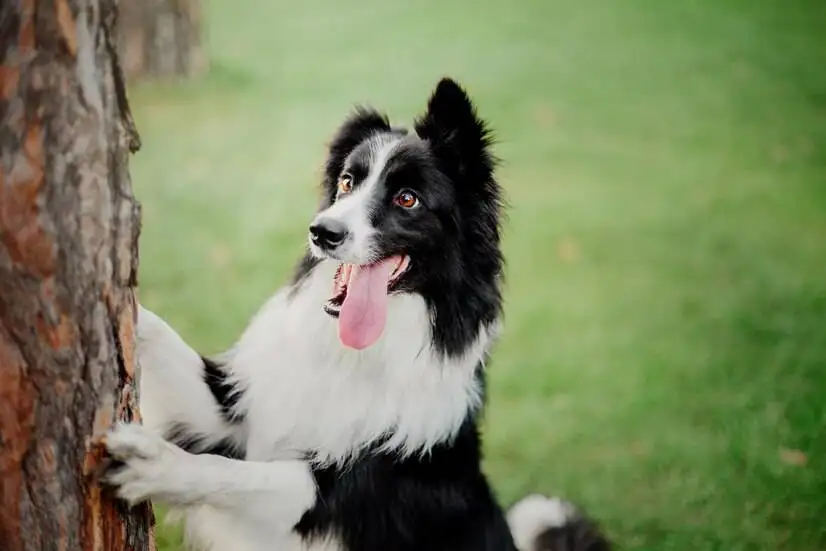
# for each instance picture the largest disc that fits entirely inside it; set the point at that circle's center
(144, 465)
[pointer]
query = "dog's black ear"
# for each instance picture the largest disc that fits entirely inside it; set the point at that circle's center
(360, 125)
(457, 136)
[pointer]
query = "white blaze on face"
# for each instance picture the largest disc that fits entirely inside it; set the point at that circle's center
(354, 210)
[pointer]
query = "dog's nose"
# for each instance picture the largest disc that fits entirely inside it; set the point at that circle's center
(328, 233)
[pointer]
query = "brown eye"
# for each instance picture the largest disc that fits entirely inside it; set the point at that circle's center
(406, 199)
(345, 183)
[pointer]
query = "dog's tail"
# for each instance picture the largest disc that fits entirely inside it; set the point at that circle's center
(540, 523)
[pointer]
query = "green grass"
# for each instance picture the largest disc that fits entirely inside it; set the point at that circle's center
(664, 361)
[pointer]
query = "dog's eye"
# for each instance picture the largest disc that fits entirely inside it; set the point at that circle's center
(406, 199)
(345, 183)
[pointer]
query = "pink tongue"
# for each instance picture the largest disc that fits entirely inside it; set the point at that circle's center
(364, 311)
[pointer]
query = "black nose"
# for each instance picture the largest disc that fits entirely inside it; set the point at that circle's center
(328, 234)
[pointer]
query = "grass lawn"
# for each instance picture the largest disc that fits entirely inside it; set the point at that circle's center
(664, 361)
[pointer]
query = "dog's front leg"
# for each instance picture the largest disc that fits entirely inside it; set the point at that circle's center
(152, 468)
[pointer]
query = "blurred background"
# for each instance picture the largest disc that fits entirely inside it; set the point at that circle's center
(664, 359)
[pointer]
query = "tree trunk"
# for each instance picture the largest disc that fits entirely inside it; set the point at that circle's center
(69, 228)
(161, 38)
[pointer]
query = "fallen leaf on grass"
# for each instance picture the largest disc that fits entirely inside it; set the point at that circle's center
(220, 255)
(639, 449)
(567, 250)
(780, 153)
(544, 115)
(793, 457)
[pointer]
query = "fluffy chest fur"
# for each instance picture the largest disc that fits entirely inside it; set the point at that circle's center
(303, 392)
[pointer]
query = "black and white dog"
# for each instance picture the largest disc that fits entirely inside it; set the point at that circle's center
(346, 416)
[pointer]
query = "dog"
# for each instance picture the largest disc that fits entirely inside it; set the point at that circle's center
(346, 416)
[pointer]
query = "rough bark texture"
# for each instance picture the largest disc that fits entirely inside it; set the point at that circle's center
(161, 38)
(69, 228)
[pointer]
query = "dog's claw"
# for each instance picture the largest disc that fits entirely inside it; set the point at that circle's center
(140, 463)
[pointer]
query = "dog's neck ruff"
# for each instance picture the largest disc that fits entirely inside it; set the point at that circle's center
(307, 395)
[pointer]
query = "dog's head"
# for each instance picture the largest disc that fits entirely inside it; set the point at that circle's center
(412, 212)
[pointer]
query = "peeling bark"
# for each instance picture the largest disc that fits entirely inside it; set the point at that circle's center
(161, 38)
(69, 228)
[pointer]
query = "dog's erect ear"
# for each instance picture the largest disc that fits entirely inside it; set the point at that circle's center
(457, 136)
(449, 112)
(362, 123)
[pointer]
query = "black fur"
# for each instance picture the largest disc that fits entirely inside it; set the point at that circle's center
(468, 293)
(439, 502)
(363, 123)
(578, 534)
(226, 397)
(223, 390)
(183, 437)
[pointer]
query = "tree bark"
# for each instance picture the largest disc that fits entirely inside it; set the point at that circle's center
(69, 228)
(161, 38)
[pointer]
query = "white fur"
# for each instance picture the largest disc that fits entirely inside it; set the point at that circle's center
(533, 515)
(258, 502)
(172, 387)
(354, 209)
(303, 390)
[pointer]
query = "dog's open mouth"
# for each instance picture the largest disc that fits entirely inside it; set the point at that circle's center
(359, 299)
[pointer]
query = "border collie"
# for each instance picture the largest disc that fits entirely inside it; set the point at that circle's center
(346, 416)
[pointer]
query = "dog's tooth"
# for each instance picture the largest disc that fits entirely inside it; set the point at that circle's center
(401, 266)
